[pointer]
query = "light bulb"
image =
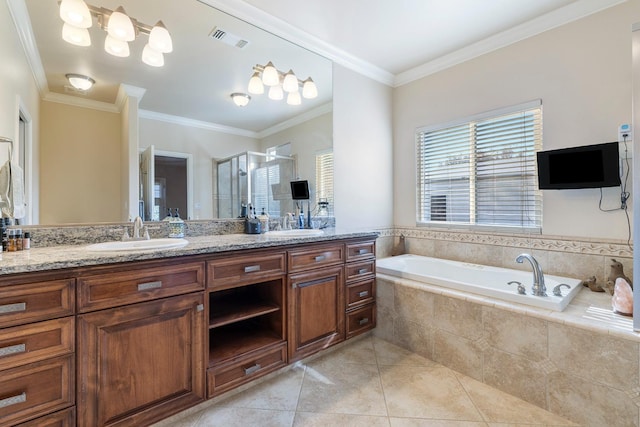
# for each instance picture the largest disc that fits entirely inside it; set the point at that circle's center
(152, 57)
(294, 98)
(270, 75)
(276, 93)
(76, 13)
(309, 89)
(75, 35)
(116, 47)
(120, 26)
(255, 84)
(290, 82)
(159, 39)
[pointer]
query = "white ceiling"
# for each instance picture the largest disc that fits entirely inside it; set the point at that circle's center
(393, 42)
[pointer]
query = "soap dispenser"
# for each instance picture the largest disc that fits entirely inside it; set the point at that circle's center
(176, 226)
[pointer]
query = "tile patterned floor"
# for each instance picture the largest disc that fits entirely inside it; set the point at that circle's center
(369, 383)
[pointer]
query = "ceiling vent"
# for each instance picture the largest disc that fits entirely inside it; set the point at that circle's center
(228, 38)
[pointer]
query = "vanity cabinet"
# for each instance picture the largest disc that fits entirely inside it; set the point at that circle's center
(141, 356)
(37, 350)
(360, 308)
(247, 322)
(316, 299)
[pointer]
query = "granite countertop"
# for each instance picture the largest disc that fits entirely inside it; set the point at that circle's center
(69, 256)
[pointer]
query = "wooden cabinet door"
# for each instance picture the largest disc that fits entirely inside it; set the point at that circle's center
(141, 363)
(316, 311)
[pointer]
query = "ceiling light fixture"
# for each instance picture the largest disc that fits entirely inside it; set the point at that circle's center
(80, 81)
(121, 29)
(240, 99)
(279, 83)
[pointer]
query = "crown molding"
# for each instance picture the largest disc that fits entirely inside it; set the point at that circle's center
(126, 91)
(301, 118)
(22, 22)
(184, 121)
(549, 21)
(80, 102)
(277, 26)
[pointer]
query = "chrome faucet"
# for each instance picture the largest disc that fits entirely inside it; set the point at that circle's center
(138, 229)
(538, 288)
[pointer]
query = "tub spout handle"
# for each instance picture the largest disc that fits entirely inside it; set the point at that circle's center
(557, 291)
(521, 289)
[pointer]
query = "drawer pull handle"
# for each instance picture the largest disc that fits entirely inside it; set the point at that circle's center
(12, 308)
(251, 268)
(320, 258)
(363, 321)
(150, 285)
(252, 369)
(363, 294)
(363, 251)
(12, 349)
(13, 400)
(362, 271)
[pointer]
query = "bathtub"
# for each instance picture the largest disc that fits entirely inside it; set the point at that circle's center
(479, 279)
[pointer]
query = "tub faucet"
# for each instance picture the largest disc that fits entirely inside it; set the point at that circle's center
(538, 289)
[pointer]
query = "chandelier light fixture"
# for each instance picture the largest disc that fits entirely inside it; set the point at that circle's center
(121, 29)
(280, 83)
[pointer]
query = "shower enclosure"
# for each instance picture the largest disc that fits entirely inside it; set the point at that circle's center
(259, 179)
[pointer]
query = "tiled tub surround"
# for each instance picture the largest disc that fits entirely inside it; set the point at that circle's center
(582, 363)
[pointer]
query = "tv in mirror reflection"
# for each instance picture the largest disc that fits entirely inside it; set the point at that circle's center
(300, 190)
(590, 166)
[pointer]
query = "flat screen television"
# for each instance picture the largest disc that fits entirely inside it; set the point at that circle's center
(589, 166)
(300, 190)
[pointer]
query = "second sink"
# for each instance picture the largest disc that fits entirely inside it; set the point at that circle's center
(137, 245)
(296, 232)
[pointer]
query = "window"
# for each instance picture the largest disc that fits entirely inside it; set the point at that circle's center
(482, 171)
(324, 181)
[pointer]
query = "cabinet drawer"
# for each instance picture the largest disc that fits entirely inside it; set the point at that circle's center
(36, 341)
(361, 250)
(30, 302)
(360, 270)
(361, 320)
(66, 418)
(125, 286)
(240, 371)
(360, 293)
(36, 389)
(318, 256)
(241, 269)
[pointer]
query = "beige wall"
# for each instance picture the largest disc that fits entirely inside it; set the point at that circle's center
(80, 167)
(362, 146)
(582, 73)
(204, 145)
(307, 139)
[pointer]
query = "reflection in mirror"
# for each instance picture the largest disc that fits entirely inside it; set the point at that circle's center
(90, 142)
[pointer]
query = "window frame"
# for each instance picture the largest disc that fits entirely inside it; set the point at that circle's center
(535, 104)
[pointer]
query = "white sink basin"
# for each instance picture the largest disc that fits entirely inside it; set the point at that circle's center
(137, 245)
(302, 232)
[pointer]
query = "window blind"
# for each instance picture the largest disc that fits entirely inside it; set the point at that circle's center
(324, 178)
(482, 171)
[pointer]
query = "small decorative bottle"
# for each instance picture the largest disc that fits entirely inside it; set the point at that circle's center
(176, 226)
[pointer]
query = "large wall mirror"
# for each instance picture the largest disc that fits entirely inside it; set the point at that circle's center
(180, 115)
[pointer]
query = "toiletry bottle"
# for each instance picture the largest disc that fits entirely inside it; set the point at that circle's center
(176, 226)
(26, 241)
(301, 218)
(264, 221)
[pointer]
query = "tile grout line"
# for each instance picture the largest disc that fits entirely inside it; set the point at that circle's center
(384, 395)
